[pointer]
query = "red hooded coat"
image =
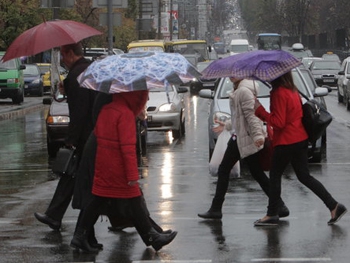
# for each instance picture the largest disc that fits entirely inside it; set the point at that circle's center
(116, 160)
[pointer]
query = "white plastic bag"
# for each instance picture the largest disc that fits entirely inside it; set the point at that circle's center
(218, 154)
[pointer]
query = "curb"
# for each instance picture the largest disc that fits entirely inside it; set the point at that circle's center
(20, 112)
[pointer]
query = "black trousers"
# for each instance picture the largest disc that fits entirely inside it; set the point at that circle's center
(296, 155)
(230, 158)
(61, 198)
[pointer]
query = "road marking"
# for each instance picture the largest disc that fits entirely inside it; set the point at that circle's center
(174, 261)
(26, 170)
(290, 259)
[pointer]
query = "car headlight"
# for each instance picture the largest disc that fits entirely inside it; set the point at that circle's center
(318, 76)
(221, 116)
(36, 81)
(194, 80)
(57, 120)
(167, 107)
(10, 81)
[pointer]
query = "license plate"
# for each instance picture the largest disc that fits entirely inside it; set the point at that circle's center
(149, 118)
(26, 86)
(328, 80)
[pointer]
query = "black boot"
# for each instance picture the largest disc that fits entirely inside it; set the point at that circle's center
(80, 241)
(215, 210)
(158, 240)
(93, 241)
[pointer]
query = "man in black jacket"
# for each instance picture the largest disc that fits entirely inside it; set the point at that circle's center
(80, 103)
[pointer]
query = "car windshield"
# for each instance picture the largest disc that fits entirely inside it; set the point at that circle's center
(31, 70)
(226, 89)
(324, 65)
(169, 88)
(44, 68)
(11, 64)
(202, 66)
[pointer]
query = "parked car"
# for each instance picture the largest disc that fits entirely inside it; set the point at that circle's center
(57, 121)
(11, 79)
(166, 110)
(325, 72)
(219, 107)
(343, 79)
(199, 83)
(45, 70)
(33, 83)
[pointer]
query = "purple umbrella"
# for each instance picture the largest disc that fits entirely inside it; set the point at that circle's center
(261, 65)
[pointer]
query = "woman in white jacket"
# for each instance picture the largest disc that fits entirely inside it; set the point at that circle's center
(248, 135)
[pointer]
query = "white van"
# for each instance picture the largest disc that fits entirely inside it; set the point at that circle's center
(239, 46)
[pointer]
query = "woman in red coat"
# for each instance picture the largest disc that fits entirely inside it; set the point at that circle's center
(290, 147)
(116, 171)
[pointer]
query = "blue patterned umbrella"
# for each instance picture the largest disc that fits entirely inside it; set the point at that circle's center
(261, 65)
(137, 71)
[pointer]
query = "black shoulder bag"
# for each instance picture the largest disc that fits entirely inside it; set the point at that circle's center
(315, 119)
(66, 162)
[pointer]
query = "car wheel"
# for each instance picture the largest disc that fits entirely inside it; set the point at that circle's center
(177, 133)
(316, 157)
(340, 97)
(183, 127)
(40, 92)
(52, 149)
(347, 103)
(19, 98)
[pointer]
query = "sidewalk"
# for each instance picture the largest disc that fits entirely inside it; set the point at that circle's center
(30, 104)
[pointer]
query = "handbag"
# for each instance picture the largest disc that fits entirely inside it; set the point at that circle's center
(66, 162)
(265, 154)
(315, 119)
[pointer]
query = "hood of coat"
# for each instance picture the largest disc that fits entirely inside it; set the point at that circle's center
(250, 84)
(136, 100)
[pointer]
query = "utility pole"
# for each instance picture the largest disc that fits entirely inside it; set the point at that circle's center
(171, 20)
(110, 27)
(159, 17)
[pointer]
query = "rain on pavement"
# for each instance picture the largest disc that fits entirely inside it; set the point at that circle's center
(177, 185)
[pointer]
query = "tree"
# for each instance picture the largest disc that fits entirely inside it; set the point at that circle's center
(16, 17)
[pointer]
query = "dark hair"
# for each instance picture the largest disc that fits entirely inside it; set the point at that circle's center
(77, 48)
(285, 80)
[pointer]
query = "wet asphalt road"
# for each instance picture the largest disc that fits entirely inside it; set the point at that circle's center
(176, 185)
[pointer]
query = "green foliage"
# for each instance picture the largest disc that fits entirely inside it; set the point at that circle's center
(16, 17)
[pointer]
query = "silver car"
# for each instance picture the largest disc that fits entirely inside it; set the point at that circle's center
(219, 107)
(165, 110)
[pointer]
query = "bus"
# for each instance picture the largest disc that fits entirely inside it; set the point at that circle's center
(269, 41)
(194, 50)
(150, 45)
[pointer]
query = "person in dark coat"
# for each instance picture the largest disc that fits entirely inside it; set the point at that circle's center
(80, 103)
(115, 181)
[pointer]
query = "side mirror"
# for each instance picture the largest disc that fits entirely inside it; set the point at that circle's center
(206, 94)
(22, 67)
(182, 90)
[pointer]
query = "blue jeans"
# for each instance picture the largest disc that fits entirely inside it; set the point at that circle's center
(295, 154)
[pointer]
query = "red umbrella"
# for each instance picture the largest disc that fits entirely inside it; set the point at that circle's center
(47, 35)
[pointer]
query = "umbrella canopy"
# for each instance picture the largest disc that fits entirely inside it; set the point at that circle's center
(137, 71)
(261, 65)
(47, 35)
